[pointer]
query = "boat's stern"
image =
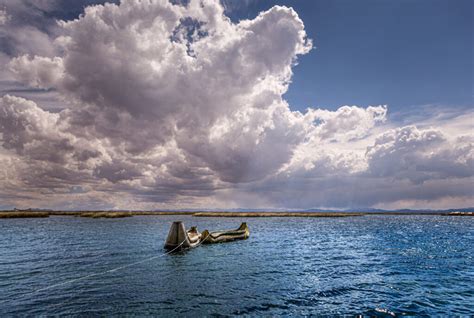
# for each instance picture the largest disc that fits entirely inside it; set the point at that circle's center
(244, 227)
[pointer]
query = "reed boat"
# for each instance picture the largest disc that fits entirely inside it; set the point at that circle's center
(179, 239)
(241, 233)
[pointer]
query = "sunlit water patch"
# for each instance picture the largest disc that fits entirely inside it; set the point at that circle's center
(372, 265)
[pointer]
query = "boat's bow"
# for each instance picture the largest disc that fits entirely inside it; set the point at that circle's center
(178, 238)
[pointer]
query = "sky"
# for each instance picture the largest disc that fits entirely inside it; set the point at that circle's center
(236, 104)
(402, 53)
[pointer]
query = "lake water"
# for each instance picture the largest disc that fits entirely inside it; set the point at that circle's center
(371, 265)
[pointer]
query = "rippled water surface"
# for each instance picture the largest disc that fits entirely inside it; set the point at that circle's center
(373, 265)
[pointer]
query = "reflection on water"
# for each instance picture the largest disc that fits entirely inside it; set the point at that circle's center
(374, 265)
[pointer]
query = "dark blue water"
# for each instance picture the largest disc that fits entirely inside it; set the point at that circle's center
(373, 265)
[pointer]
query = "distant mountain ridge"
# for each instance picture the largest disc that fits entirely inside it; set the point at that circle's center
(371, 210)
(359, 210)
(366, 210)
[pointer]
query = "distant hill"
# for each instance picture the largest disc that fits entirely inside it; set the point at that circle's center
(249, 210)
(366, 210)
(370, 210)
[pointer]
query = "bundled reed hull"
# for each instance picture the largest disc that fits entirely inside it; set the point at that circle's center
(241, 233)
(179, 239)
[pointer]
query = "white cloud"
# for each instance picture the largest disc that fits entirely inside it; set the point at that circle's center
(4, 17)
(419, 155)
(348, 122)
(37, 72)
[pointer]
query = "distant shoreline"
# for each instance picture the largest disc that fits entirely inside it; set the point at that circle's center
(123, 214)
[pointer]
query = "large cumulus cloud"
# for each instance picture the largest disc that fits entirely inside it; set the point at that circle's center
(419, 155)
(175, 105)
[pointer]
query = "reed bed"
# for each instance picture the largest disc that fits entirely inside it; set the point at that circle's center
(97, 215)
(123, 214)
(461, 213)
(276, 214)
(15, 214)
(162, 213)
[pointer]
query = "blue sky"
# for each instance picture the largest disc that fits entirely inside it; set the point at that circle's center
(403, 53)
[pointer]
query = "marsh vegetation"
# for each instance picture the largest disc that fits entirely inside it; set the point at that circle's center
(16, 214)
(124, 214)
